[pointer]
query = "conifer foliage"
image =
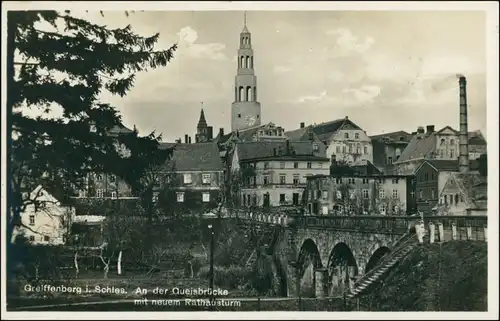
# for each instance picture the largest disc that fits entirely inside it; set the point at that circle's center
(57, 61)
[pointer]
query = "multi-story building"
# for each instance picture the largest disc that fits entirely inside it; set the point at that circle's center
(47, 221)
(274, 173)
(440, 145)
(195, 177)
(344, 139)
(387, 148)
(464, 194)
(354, 194)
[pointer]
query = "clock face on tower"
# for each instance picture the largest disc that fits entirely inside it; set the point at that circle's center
(250, 120)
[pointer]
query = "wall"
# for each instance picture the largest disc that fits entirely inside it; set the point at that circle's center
(274, 195)
(360, 148)
(447, 145)
(106, 183)
(427, 187)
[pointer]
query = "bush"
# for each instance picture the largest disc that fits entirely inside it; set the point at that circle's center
(230, 277)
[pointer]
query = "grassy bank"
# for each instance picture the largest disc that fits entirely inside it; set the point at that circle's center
(435, 277)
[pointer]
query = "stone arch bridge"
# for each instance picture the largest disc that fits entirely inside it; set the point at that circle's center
(319, 256)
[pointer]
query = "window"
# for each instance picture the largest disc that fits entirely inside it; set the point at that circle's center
(239, 115)
(451, 199)
(295, 165)
(282, 198)
(309, 165)
(381, 193)
(441, 153)
(266, 179)
(206, 197)
(112, 178)
(442, 141)
(365, 150)
(98, 177)
(206, 178)
(32, 238)
(337, 149)
(310, 194)
(420, 194)
(346, 135)
(315, 147)
(324, 210)
(433, 193)
(389, 160)
(180, 197)
(32, 219)
(446, 199)
(282, 165)
(282, 179)
(46, 238)
(350, 148)
(343, 149)
(395, 181)
(187, 178)
(456, 198)
(100, 193)
(383, 209)
(339, 195)
(325, 195)
(365, 180)
(296, 179)
(365, 194)
(113, 194)
(266, 165)
(350, 180)
(338, 180)
(452, 153)
(394, 193)
(452, 142)
(356, 135)
(358, 149)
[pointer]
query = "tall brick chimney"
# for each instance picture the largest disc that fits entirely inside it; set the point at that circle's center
(463, 160)
(186, 139)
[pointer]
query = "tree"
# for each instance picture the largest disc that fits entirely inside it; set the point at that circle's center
(67, 68)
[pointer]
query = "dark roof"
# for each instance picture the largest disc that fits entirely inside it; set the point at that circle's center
(119, 129)
(420, 146)
(444, 164)
(195, 157)
(300, 134)
(394, 136)
(325, 130)
(254, 150)
(290, 158)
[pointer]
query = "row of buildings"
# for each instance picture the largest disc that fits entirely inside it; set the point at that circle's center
(331, 168)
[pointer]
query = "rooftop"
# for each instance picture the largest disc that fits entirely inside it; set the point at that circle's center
(195, 157)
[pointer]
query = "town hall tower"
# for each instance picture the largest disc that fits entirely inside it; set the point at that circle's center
(245, 110)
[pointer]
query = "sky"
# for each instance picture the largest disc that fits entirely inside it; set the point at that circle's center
(385, 70)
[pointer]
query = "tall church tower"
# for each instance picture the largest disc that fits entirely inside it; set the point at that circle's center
(245, 110)
(203, 131)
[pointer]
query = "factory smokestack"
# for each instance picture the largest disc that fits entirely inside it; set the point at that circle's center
(463, 161)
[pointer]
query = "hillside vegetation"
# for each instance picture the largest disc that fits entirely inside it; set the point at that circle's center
(435, 277)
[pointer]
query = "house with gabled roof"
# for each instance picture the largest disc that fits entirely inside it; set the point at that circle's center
(342, 138)
(46, 219)
(388, 147)
(464, 194)
(197, 175)
(274, 173)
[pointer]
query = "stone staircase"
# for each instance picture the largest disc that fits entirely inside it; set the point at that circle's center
(402, 248)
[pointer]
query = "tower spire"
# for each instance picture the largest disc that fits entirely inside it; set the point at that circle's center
(245, 19)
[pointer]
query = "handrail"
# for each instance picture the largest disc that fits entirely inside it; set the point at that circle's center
(385, 259)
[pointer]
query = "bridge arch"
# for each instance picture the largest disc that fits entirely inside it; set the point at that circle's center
(342, 266)
(376, 257)
(309, 259)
